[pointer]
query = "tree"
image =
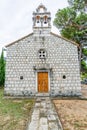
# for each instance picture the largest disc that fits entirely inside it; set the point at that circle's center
(78, 5)
(2, 69)
(84, 50)
(72, 21)
(84, 66)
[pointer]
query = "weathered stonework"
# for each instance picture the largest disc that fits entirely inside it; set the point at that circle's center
(23, 64)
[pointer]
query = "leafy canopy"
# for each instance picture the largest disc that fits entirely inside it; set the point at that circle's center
(72, 21)
(84, 50)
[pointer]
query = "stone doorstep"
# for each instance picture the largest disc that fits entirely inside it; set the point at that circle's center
(42, 95)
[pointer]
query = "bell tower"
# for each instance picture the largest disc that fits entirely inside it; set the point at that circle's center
(41, 21)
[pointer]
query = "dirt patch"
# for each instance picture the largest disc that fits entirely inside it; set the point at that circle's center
(12, 124)
(72, 113)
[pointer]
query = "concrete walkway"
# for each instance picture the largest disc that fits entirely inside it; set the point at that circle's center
(44, 116)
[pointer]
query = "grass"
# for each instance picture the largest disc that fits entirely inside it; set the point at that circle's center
(84, 75)
(14, 113)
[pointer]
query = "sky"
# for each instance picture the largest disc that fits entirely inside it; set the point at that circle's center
(16, 17)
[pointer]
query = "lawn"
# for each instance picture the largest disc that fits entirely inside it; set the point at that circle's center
(14, 113)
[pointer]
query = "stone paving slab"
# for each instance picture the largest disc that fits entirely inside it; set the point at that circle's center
(44, 116)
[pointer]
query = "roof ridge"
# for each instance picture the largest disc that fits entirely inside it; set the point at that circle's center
(18, 40)
(50, 33)
(65, 38)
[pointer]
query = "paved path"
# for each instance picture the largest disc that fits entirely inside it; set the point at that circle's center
(44, 116)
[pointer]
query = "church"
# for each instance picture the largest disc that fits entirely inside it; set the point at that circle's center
(42, 63)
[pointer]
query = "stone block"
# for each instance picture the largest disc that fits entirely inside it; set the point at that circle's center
(43, 121)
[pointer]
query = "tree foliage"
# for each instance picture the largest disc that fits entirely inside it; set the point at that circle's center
(84, 66)
(72, 20)
(2, 69)
(84, 50)
(72, 23)
(78, 5)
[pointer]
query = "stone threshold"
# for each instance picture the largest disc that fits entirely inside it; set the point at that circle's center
(42, 95)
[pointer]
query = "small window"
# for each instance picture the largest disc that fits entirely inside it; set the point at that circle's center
(42, 54)
(64, 77)
(21, 77)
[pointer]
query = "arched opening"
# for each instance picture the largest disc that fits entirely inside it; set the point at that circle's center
(45, 19)
(38, 19)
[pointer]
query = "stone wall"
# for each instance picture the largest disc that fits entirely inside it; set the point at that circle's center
(23, 63)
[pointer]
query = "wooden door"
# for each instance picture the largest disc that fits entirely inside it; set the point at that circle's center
(42, 82)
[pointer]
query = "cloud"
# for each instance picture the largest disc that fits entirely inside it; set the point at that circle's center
(16, 17)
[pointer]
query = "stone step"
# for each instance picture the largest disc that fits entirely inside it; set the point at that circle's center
(42, 95)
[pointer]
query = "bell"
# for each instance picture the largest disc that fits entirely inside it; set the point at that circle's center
(45, 22)
(38, 21)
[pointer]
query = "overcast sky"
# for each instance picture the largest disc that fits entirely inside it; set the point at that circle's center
(16, 17)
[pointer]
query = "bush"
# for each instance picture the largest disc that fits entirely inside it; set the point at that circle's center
(2, 70)
(83, 66)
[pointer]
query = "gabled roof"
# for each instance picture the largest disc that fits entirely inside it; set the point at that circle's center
(65, 39)
(50, 33)
(41, 6)
(18, 40)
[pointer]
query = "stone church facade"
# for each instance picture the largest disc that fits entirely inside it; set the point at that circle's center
(42, 63)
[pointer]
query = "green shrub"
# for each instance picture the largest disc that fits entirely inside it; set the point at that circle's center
(2, 70)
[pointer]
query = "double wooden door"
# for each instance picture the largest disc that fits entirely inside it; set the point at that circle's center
(42, 82)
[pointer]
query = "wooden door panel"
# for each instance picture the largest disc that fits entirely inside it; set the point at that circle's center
(42, 82)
